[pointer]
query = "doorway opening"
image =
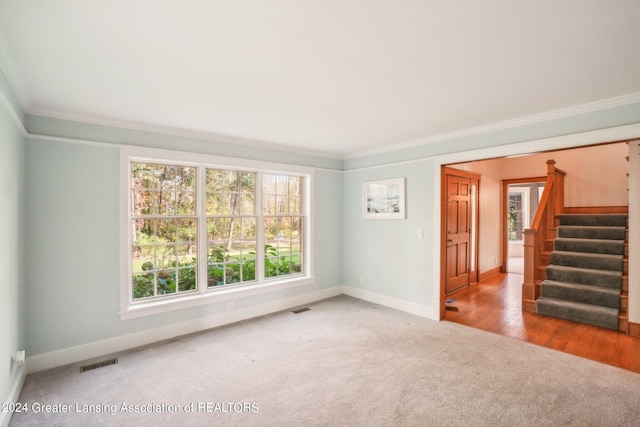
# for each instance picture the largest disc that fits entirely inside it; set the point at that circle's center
(586, 189)
(520, 198)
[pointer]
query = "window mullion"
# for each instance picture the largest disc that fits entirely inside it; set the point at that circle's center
(155, 258)
(260, 241)
(201, 210)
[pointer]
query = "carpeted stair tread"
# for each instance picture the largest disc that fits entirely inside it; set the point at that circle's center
(616, 220)
(584, 276)
(595, 232)
(595, 246)
(605, 317)
(588, 294)
(585, 273)
(587, 260)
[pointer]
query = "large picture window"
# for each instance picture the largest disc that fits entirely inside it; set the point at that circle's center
(195, 228)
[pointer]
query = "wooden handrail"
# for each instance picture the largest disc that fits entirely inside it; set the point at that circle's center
(542, 205)
(543, 227)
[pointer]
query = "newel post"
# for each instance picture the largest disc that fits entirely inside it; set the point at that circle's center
(557, 196)
(551, 177)
(529, 285)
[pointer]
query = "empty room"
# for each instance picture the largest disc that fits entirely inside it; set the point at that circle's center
(319, 213)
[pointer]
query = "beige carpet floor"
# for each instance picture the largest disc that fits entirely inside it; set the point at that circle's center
(345, 362)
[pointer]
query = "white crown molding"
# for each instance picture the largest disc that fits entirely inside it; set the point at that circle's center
(12, 113)
(184, 133)
(8, 66)
(590, 107)
(478, 130)
(10, 69)
(517, 149)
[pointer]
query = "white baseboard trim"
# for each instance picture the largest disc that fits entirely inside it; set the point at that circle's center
(100, 348)
(398, 304)
(14, 394)
(94, 349)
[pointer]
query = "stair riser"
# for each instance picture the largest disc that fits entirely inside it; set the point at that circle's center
(586, 277)
(576, 315)
(592, 233)
(593, 220)
(541, 274)
(585, 261)
(586, 246)
(585, 296)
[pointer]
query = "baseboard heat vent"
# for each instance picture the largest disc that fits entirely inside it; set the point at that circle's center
(97, 365)
(300, 310)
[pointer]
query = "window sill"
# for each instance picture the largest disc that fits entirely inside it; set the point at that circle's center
(210, 297)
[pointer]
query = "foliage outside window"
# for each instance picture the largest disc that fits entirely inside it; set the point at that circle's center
(283, 224)
(516, 216)
(164, 228)
(231, 227)
(254, 225)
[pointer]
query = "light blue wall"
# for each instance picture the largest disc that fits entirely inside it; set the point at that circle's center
(73, 293)
(73, 247)
(72, 244)
(70, 202)
(386, 254)
(12, 250)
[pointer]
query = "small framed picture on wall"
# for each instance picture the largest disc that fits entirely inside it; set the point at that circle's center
(383, 199)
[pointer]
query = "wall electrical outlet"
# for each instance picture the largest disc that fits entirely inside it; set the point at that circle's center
(16, 359)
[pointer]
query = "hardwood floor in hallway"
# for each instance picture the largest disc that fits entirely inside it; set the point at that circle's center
(495, 306)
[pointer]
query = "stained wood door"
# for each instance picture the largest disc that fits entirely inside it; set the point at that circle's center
(458, 228)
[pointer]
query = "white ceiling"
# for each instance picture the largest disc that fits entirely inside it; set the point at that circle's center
(333, 76)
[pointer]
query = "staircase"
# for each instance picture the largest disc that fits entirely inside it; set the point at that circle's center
(584, 278)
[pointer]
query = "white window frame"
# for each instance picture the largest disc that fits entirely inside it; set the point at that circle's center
(526, 217)
(204, 295)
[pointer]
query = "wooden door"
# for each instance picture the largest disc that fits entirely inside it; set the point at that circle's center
(457, 233)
